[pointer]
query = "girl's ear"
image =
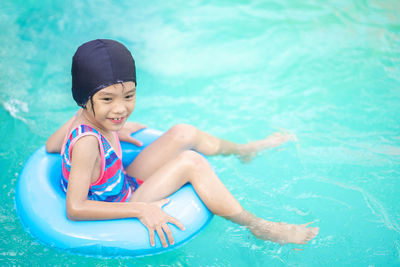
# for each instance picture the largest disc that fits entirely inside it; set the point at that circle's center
(89, 105)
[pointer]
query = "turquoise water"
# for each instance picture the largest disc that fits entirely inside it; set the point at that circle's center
(328, 71)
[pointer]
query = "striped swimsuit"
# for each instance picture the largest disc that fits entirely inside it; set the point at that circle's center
(113, 185)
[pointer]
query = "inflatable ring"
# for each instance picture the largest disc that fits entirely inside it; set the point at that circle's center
(40, 204)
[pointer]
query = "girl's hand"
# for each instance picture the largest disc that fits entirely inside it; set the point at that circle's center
(156, 220)
(129, 128)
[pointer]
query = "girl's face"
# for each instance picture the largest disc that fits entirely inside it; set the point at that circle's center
(112, 106)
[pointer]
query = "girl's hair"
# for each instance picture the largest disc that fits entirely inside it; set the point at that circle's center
(98, 64)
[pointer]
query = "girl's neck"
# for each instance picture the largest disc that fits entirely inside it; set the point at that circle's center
(89, 119)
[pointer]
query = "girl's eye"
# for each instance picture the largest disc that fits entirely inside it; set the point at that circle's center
(107, 99)
(130, 96)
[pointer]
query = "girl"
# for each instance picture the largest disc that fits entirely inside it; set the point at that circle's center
(97, 187)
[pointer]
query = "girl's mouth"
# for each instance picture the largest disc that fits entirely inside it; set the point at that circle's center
(117, 120)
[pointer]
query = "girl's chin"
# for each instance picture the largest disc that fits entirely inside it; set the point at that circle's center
(116, 125)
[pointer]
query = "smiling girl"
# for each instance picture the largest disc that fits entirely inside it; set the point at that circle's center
(97, 186)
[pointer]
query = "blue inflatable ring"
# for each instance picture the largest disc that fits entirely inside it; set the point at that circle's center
(40, 204)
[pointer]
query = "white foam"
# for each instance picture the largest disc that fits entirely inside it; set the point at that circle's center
(15, 107)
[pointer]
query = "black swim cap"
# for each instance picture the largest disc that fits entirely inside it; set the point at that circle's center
(98, 64)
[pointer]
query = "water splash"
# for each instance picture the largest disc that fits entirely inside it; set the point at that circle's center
(15, 107)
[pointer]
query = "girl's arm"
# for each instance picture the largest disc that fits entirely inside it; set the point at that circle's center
(85, 154)
(129, 128)
(55, 141)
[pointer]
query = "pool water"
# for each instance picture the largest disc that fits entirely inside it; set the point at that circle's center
(328, 71)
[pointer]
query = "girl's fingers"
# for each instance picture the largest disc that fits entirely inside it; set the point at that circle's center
(163, 230)
(307, 224)
(162, 202)
(136, 127)
(176, 222)
(127, 138)
(161, 236)
(168, 232)
(152, 239)
(134, 141)
(289, 135)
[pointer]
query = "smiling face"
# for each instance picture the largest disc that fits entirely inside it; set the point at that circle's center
(111, 106)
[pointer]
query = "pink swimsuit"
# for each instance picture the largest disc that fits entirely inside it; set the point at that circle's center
(113, 185)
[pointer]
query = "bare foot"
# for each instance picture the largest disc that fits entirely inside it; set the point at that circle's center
(246, 152)
(283, 233)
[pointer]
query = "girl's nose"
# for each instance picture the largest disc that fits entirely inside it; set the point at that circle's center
(118, 108)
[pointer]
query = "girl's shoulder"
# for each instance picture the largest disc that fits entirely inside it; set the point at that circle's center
(84, 129)
(86, 144)
(81, 134)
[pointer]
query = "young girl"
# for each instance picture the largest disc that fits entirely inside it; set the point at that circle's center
(97, 186)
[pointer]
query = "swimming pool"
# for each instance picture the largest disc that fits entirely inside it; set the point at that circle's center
(327, 71)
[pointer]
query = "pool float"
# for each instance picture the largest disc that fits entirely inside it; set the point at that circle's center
(40, 204)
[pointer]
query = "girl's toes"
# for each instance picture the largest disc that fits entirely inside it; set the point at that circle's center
(315, 231)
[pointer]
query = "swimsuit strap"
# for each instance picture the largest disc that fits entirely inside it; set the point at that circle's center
(79, 132)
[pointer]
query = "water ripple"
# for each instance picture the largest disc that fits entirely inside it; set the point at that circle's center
(375, 206)
(15, 107)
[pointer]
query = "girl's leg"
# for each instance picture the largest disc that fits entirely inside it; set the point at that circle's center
(191, 167)
(179, 138)
(183, 137)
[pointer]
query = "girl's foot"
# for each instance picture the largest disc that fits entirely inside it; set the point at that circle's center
(246, 152)
(283, 233)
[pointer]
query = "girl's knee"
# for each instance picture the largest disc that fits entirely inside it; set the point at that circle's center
(183, 133)
(192, 159)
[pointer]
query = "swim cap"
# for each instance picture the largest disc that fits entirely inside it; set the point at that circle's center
(98, 64)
